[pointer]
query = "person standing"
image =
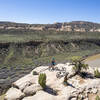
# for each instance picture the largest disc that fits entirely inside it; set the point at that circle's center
(53, 63)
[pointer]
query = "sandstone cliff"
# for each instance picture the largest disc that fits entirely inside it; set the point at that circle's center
(75, 26)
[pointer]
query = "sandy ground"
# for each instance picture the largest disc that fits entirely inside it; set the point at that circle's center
(2, 97)
(97, 56)
(93, 61)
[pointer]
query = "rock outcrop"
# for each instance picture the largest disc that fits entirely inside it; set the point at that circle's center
(14, 94)
(27, 88)
(75, 26)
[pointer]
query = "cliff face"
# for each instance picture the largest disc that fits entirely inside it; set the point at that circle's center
(75, 26)
(20, 53)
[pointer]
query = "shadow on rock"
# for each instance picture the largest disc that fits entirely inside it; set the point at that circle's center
(50, 91)
(68, 84)
(86, 75)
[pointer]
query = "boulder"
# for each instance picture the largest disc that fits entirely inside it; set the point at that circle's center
(95, 83)
(14, 94)
(86, 99)
(94, 90)
(41, 95)
(31, 90)
(91, 70)
(39, 69)
(25, 81)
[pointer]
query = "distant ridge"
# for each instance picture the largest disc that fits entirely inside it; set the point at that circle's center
(74, 26)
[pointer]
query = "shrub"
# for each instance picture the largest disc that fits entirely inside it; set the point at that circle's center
(97, 73)
(42, 80)
(35, 73)
(97, 98)
(79, 66)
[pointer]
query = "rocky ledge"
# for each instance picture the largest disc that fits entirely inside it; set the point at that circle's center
(27, 88)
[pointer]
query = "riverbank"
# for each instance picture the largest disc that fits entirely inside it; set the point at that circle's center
(93, 61)
(92, 57)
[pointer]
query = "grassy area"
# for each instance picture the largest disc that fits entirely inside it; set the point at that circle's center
(64, 57)
(26, 35)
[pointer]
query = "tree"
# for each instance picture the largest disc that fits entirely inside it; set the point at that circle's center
(79, 66)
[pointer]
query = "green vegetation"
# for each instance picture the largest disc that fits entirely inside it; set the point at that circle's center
(42, 80)
(97, 73)
(20, 59)
(10, 55)
(79, 66)
(21, 36)
(35, 73)
(97, 98)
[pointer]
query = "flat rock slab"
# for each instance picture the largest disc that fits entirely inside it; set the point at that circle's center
(41, 95)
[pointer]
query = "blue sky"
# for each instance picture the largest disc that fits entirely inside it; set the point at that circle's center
(49, 11)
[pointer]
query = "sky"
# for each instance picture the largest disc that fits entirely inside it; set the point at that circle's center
(49, 11)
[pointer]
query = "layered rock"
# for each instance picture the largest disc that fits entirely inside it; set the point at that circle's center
(76, 26)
